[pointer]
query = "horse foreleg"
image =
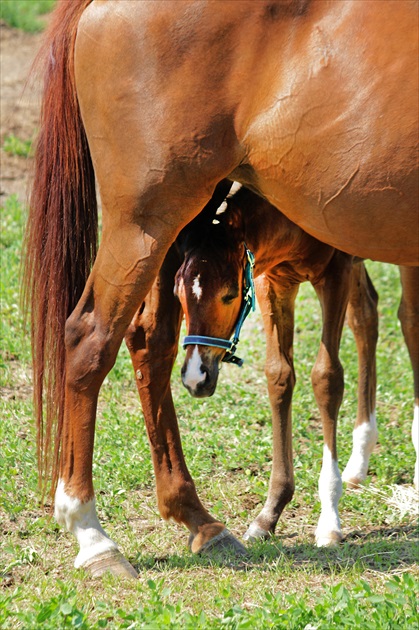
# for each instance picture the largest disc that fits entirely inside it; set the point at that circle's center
(152, 339)
(363, 320)
(94, 331)
(277, 307)
(409, 319)
(327, 381)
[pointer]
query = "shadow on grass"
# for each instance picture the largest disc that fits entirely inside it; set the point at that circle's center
(386, 549)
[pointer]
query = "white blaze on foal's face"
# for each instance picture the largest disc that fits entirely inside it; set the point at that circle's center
(196, 288)
(194, 375)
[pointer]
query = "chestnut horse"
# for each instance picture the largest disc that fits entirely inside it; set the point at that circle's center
(209, 286)
(312, 104)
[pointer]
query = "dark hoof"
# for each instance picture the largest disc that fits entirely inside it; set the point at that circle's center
(219, 547)
(223, 542)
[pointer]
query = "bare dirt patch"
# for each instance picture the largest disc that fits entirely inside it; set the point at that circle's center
(19, 105)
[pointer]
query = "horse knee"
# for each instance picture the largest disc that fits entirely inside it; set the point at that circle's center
(364, 319)
(280, 376)
(158, 342)
(135, 337)
(89, 352)
(327, 378)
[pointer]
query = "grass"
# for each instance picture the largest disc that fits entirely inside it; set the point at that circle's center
(370, 581)
(16, 146)
(25, 14)
(337, 607)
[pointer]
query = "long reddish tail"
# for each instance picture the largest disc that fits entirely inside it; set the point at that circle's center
(61, 233)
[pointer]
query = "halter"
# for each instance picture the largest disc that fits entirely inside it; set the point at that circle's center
(248, 304)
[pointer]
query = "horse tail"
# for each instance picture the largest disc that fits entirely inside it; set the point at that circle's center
(61, 234)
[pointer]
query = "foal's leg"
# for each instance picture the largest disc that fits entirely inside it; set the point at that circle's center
(363, 321)
(152, 339)
(327, 380)
(409, 319)
(277, 306)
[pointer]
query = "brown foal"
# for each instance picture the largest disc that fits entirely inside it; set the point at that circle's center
(285, 256)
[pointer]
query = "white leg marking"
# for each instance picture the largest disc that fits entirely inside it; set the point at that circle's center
(328, 530)
(364, 439)
(196, 288)
(194, 375)
(81, 520)
(415, 440)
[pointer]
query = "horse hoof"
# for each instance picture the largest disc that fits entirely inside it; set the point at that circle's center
(255, 532)
(223, 543)
(352, 482)
(353, 476)
(111, 561)
(331, 539)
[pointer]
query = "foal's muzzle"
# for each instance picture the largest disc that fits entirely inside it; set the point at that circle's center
(200, 374)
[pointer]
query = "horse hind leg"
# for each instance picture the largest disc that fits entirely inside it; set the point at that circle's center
(94, 332)
(363, 320)
(409, 319)
(151, 185)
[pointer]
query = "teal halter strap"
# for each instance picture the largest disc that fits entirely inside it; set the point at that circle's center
(248, 304)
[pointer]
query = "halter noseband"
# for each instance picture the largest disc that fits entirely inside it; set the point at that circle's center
(248, 304)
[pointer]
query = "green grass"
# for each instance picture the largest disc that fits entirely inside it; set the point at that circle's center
(336, 607)
(24, 14)
(370, 581)
(17, 146)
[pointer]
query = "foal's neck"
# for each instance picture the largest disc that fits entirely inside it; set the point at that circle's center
(275, 240)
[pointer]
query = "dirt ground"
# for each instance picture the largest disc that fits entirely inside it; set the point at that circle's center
(19, 105)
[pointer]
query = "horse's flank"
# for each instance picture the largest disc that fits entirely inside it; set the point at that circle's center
(306, 106)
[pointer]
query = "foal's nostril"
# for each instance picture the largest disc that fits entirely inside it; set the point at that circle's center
(205, 371)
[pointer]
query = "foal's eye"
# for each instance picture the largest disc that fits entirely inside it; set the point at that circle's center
(229, 298)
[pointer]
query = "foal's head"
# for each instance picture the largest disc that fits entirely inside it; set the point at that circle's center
(209, 285)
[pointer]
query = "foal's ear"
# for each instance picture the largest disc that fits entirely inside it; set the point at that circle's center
(194, 230)
(233, 219)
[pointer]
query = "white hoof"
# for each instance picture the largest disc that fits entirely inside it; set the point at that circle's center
(255, 532)
(331, 539)
(111, 561)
